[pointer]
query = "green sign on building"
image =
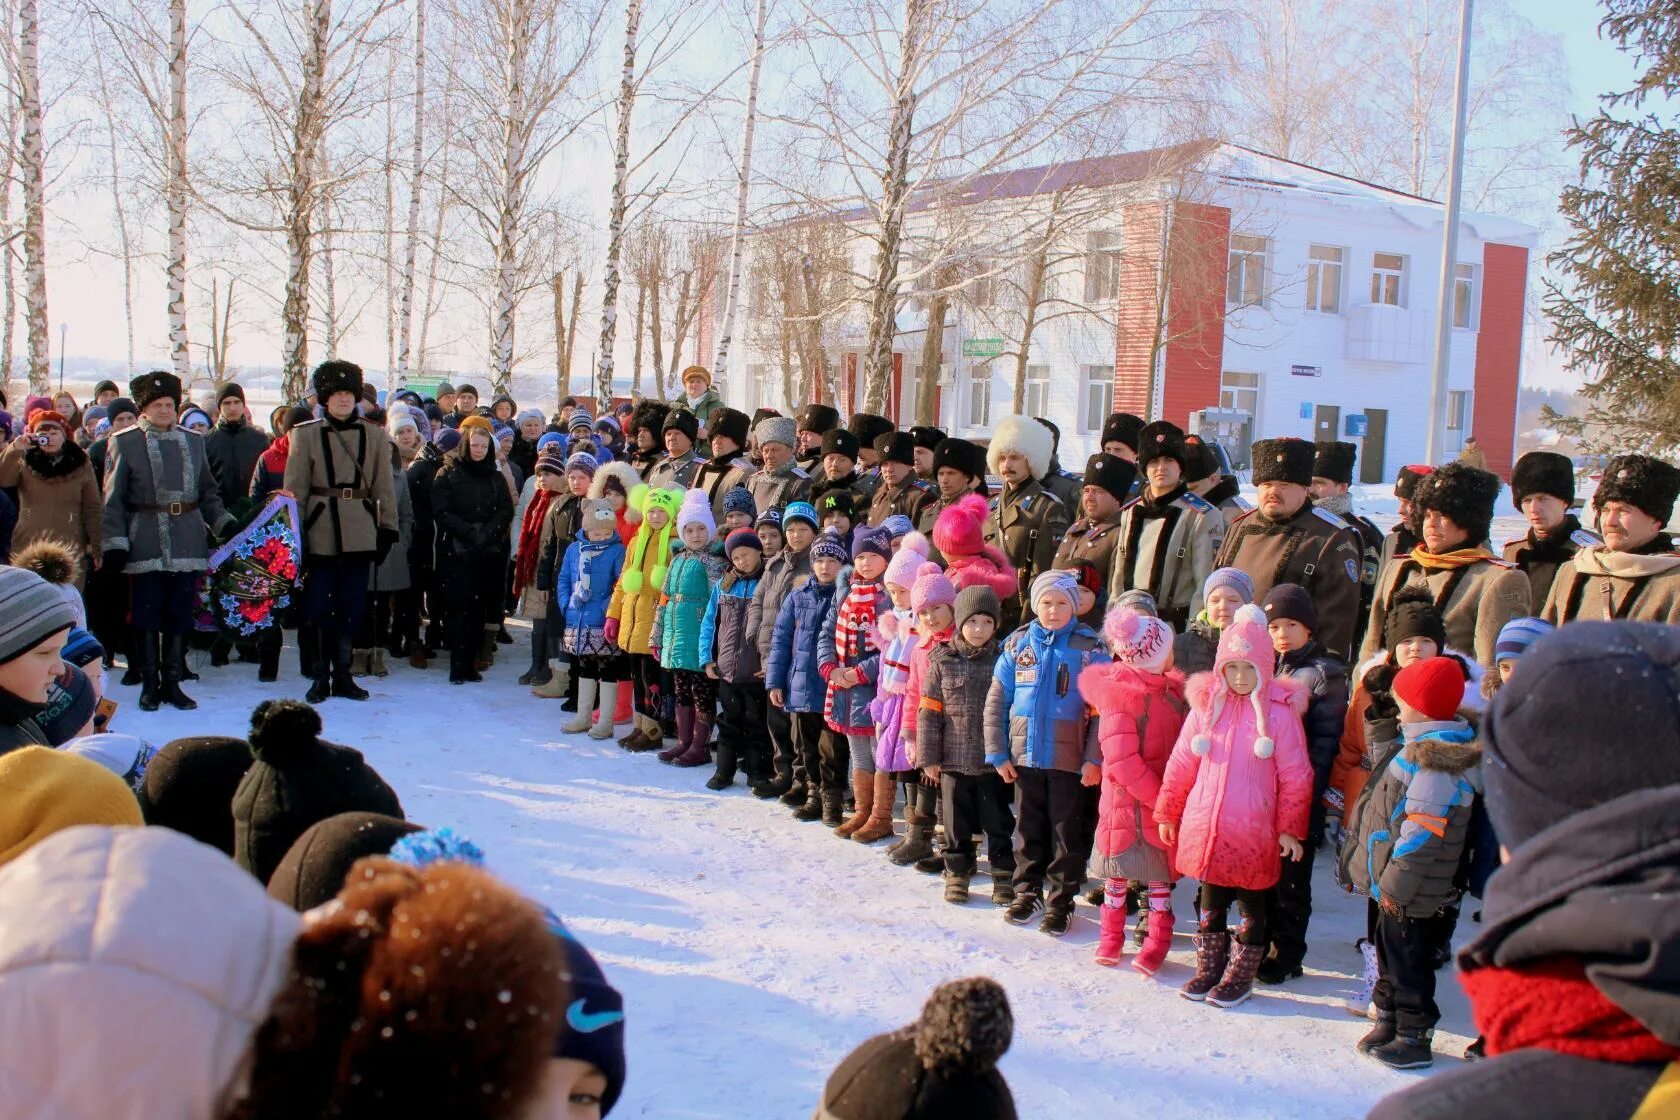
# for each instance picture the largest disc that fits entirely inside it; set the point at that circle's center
(982, 347)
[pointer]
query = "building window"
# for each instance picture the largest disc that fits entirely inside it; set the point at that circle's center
(1102, 267)
(1099, 396)
(980, 397)
(1388, 279)
(1245, 275)
(1037, 398)
(1240, 391)
(983, 289)
(1457, 404)
(1324, 279)
(1464, 296)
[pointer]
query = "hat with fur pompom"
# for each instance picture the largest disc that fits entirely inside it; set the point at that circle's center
(1246, 641)
(911, 555)
(957, 530)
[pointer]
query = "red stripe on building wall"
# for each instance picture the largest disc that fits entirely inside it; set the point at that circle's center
(1499, 354)
(1134, 322)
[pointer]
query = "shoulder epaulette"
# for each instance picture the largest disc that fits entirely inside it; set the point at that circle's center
(1198, 503)
(308, 423)
(1586, 538)
(1128, 505)
(1245, 515)
(1241, 503)
(1333, 518)
(799, 472)
(920, 484)
(1499, 563)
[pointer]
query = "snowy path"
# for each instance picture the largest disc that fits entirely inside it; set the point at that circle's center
(755, 951)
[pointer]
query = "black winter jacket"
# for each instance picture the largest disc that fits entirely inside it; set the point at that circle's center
(1327, 692)
(422, 549)
(233, 449)
(472, 508)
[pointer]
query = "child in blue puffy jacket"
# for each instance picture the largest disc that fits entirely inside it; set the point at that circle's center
(582, 591)
(794, 676)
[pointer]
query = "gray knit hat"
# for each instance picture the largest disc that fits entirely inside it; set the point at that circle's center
(31, 611)
(778, 429)
(976, 599)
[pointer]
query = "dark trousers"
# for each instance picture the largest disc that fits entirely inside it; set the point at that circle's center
(644, 680)
(780, 727)
(834, 756)
(1216, 900)
(163, 601)
(405, 616)
(608, 670)
(335, 592)
(696, 690)
(741, 722)
(1289, 908)
(1088, 826)
(808, 733)
(1406, 970)
(1049, 808)
(473, 590)
(977, 803)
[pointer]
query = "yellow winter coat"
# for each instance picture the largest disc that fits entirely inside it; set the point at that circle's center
(636, 595)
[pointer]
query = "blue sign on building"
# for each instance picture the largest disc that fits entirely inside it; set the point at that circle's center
(1357, 425)
(1306, 410)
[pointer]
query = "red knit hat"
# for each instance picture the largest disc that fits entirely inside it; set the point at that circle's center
(957, 530)
(42, 417)
(1434, 687)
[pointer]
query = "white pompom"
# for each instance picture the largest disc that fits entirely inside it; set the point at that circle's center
(1250, 613)
(1263, 747)
(1201, 745)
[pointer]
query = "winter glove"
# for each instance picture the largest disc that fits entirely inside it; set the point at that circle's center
(1390, 907)
(386, 538)
(611, 630)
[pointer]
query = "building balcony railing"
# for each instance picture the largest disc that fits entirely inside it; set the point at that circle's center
(1380, 332)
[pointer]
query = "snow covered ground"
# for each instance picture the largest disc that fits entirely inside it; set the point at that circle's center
(755, 951)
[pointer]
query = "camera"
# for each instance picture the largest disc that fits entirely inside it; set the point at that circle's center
(40, 439)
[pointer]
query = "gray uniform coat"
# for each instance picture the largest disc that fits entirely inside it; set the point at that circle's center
(161, 500)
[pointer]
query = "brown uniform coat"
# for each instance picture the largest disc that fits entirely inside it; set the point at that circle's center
(1315, 549)
(910, 500)
(1598, 584)
(1090, 542)
(717, 478)
(1025, 524)
(342, 481)
(1475, 603)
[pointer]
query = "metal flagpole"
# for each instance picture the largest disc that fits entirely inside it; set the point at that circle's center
(1449, 241)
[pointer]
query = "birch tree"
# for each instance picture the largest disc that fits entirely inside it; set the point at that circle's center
(119, 211)
(616, 210)
(743, 192)
(32, 165)
(416, 186)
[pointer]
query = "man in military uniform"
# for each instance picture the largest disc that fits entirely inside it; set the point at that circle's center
(1401, 539)
(1635, 573)
(815, 421)
(1168, 536)
(1026, 521)
(1543, 488)
(339, 470)
(162, 507)
(838, 467)
(1091, 539)
(927, 439)
(1120, 435)
(728, 467)
(900, 490)
(1201, 474)
(1289, 540)
(866, 428)
(676, 471)
(1332, 479)
(1067, 487)
(780, 481)
(959, 467)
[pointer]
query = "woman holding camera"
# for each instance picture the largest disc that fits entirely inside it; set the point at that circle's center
(57, 494)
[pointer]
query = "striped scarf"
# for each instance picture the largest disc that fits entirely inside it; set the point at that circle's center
(895, 659)
(530, 540)
(854, 632)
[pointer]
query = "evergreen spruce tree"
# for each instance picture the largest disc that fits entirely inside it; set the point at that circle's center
(1616, 311)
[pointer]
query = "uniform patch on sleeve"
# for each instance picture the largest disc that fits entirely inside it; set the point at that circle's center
(1352, 570)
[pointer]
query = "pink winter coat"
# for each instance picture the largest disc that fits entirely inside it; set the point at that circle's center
(987, 568)
(913, 687)
(1230, 803)
(1141, 714)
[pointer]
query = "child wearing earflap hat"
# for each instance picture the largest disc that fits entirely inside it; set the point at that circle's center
(629, 624)
(592, 567)
(850, 657)
(1236, 796)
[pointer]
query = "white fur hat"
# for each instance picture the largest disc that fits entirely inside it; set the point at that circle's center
(1026, 436)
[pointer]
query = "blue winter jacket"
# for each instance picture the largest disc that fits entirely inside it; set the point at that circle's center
(851, 705)
(724, 638)
(793, 651)
(588, 609)
(1035, 716)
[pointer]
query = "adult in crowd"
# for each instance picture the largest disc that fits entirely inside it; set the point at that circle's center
(123, 415)
(503, 409)
(35, 620)
(103, 393)
(677, 470)
(57, 496)
(1202, 475)
(423, 551)
(389, 584)
(646, 436)
(866, 428)
(700, 399)
(1543, 489)
(780, 481)
(1168, 536)
(959, 469)
(339, 470)
(1120, 435)
(900, 491)
(1290, 540)
(1574, 977)
(1402, 538)
(473, 510)
(234, 445)
(1475, 591)
(1635, 572)
(1472, 455)
(1066, 486)
(1331, 483)
(729, 466)
(466, 404)
(838, 469)
(814, 421)
(162, 507)
(1094, 537)
(1025, 521)
(927, 439)
(527, 429)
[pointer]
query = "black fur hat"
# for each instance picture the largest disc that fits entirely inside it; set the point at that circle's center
(154, 386)
(336, 377)
(1334, 460)
(681, 420)
(896, 447)
(838, 441)
(1647, 484)
(1406, 482)
(1543, 472)
(867, 427)
(649, 414)
(1111, 473)
(959, 454)
(926, 436)
(1055, 433)
(730, 424)
(1413, 614)
(1160, 440)
(1462, 494)
(1283, 460)
(1199, 459)
(1124, 427)
(818, 418)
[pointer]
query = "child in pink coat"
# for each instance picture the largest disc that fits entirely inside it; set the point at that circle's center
(1140, 700)
(1235, 798)
(969, 560)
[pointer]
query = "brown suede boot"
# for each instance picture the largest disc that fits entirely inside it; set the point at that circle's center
(880, 823)
(863, 799)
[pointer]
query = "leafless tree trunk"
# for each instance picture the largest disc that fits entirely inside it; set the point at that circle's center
(615, 215)
(572, 328)
(388, 227)
(562, 374)
(1037, 266)
(33, 161)
(416, 174)
(301, 199)
(517, 41)
(655, 320)
(636, 351)
(743, 188)
(221, 332)
(125, 243)
(329, 313)
(175, 190)
(8, 163)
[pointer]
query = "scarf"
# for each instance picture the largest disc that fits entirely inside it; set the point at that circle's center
(634, 580)
(274, 457)
(895, 659)
(588, 552)
(1551, 1005)
(854, 637)
(1336, 503)
(1448, 561)
(530, 540)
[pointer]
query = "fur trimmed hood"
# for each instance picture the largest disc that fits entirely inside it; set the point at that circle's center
(1026, 436)
(626, 477)
(1453, 755)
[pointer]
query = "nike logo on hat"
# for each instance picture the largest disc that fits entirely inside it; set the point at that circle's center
(586, 1023)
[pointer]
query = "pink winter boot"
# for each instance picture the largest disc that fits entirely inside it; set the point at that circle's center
(1155, 945)
(1111, 942)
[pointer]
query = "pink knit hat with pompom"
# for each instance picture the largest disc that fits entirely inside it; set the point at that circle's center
(911, 555)
(956, 532)
(1245, 640)
(1138, 640)
(931, 588)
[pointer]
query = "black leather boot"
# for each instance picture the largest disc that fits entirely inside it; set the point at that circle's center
(143, 657)
(343, 684)
(174, 669)
(268, 655)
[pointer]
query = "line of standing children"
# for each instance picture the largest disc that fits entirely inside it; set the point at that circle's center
(729, 652)
(695, 569)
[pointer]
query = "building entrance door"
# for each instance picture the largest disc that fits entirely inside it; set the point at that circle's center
(1326, 421)
(1371, 456)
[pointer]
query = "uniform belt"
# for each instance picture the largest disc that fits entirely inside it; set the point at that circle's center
(173, 509)
(342, 493)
